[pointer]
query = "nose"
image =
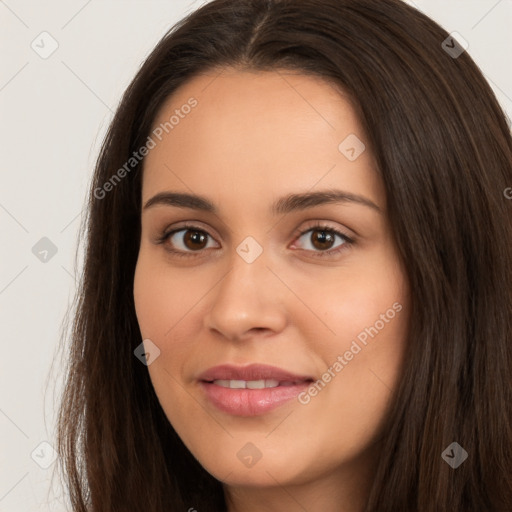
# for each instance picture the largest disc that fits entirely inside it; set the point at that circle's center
(248, 301)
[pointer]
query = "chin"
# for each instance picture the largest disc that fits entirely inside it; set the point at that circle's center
(243, 464)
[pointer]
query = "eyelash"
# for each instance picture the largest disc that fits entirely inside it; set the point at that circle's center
(317, 227)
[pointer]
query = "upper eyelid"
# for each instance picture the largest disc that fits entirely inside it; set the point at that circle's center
(188, 226)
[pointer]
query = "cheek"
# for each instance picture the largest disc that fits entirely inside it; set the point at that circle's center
(368, 302)
(149, 301)
(161, 304)
(354, 394)
(160, 297)
(168, 305)
(367, 317)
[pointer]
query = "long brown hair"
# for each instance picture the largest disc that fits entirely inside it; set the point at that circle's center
(444, 151)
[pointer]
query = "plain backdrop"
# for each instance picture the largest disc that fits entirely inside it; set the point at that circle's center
(54, 112)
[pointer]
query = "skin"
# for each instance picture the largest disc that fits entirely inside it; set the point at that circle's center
(255, 137)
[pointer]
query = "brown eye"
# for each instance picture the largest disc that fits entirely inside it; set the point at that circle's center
(185, 240)
(194, 239)
(321, 240)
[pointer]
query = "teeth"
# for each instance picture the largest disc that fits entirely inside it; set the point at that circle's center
(257, 384)
(260, 384)
(250, 384)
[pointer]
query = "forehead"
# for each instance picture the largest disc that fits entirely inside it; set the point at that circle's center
(252, 132)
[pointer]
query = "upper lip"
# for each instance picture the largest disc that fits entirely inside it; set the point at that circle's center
(250, 372)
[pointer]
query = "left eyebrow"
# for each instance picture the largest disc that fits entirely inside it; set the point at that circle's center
(286, 204)
(306, 200)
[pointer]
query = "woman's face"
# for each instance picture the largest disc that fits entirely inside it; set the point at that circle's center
(264, 269)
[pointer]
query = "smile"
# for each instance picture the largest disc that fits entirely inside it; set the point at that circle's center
(254, 384)
(250, 390)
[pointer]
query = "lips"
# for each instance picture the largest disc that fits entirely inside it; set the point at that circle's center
(253, 372)
(251, 390)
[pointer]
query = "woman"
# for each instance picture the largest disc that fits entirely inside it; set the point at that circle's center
(296, 292)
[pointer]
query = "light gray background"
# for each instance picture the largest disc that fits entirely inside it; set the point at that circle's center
(54, 114)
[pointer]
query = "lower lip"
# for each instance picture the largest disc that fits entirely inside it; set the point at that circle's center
(251, 402)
